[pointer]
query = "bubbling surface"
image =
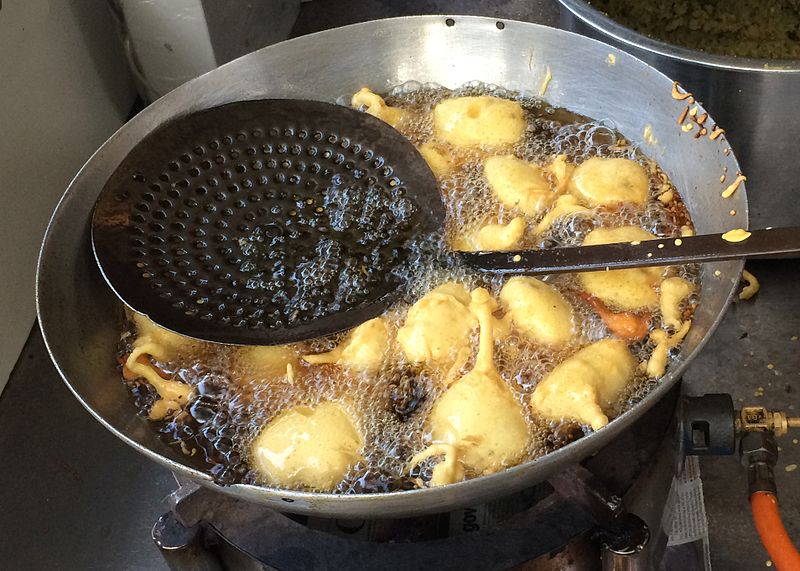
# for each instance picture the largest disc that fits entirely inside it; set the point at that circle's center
(232, 402)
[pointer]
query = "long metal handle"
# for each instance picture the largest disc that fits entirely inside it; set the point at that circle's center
(661, 252)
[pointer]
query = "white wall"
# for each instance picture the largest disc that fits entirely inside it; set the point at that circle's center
(64, 88)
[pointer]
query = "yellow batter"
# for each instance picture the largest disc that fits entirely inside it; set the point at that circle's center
(586, 385)
(478, 420)
(493, 237)
(171, 343)
(538, 311)
(438, 326)
(673, 292)
(153, 341)
(565, 205)
(518, 184)
(308, 447)
(657, 364)
(479, 121)
(602, 180)
(363, 350)
(374, 104)
(268, 362)
(438, 160)
(628, 290)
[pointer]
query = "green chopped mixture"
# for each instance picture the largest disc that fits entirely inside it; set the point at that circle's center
(744, 28)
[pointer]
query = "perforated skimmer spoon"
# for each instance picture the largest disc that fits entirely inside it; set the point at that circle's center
(266, 222)
(272, 221)
(773, 242)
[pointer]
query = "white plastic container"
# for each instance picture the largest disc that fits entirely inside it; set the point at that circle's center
(168, 42)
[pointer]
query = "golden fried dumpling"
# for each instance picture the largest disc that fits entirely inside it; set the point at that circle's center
(267, 361)
(501, 236)
(628, 290)
(602, 180)
(673, 292)
(438, 160)
(538, 311)
(586, 385)
(374, 104)
(565, 205)
(307, 447)
(493, 237)
(518, 184)
(479, 121)
(477, 422)
(363, 349)
(438, 326)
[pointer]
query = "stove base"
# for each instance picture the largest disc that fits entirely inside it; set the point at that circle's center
(576, 521)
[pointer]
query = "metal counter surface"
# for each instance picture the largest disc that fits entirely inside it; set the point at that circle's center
(74, 497)
(755, 351)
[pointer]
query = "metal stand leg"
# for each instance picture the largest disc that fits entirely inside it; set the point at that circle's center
(622, 535)
(183, 547)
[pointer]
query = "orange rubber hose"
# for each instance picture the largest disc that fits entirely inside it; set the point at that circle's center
(773, 535)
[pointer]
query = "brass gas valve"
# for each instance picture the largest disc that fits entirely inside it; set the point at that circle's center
(759, 419)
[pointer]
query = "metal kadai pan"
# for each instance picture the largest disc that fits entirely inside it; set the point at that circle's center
(80, 316)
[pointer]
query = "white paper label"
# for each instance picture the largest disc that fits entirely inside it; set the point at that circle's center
(685, 510)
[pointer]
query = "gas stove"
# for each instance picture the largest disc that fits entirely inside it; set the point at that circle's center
(621, 507)
(635, 504)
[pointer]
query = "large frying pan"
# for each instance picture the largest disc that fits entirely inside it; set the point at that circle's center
(80, 317)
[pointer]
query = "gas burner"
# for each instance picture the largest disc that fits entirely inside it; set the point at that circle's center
(609, 508)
